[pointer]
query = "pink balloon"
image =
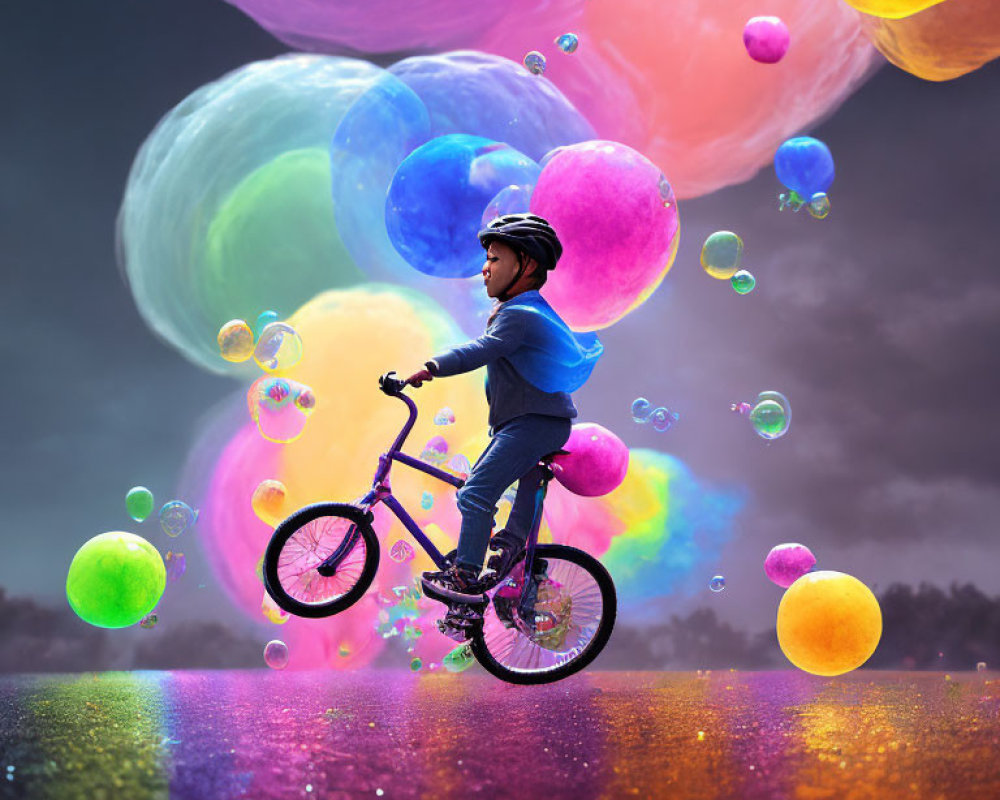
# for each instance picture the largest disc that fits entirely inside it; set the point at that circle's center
(766, 39)
(786, 563)
(617, 220)
(597, 461)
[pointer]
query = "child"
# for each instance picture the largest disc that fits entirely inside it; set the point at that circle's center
(533, 361)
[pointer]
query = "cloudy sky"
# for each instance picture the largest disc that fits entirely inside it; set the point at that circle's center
(881, 323)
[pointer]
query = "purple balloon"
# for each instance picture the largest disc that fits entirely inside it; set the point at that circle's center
(766, 39)
(786, 563)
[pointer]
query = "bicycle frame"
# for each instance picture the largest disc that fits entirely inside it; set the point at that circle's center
(381, 492)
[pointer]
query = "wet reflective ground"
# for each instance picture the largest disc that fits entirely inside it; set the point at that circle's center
(599, 735)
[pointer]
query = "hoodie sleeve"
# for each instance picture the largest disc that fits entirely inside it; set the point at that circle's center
(501, 339)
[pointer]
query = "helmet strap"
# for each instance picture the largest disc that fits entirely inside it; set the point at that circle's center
(517, 276)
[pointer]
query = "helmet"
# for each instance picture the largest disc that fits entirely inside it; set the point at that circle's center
(525, 232)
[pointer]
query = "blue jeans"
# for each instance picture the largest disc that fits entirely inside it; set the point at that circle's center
(512, 455)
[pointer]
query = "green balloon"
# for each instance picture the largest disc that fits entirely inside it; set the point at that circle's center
(139, 503)
(115, 579)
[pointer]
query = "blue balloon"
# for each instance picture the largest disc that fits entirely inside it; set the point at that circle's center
(804, 165)
(437, 196)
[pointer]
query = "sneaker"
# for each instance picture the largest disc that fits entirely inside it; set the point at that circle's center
(461, 622)
(456, 584)
(508, 550)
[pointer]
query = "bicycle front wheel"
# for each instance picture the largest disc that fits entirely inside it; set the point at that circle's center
(303, 542)
(574, 615)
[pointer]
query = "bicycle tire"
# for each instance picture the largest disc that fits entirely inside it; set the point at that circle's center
(296, 523)
(609, 605)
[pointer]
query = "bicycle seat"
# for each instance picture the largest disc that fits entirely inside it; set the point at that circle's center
(547, 459)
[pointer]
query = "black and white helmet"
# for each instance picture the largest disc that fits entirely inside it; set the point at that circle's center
(528, 233)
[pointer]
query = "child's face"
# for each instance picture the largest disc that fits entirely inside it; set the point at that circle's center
(500, 268)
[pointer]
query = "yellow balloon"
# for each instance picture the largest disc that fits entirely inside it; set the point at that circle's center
(829, 623)
(270, 502)
(892, 9)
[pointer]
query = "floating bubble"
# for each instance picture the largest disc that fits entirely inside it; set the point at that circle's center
(444, 417)
(176, 517)
(597, 461)
(829, 623)
(535, 62)
(264, 319)
(115, 579)
(280, 407)
(786, 563)
(721, 254)
(804, 165)
(176, 565)
(272, 611)
(235, 341)
(663, 419)
(603, 199)
(718, 583)
(743, 282)
(568, 42)
(401, 552)
(768, 421)
(641, 409)
(766, 39)
(343, 650)
(790, 200)
(435, 451)
(426, 501)
(276, 654)
(437, 195)
(460, 465)
(511, 199)
(139, 503)
(742, 408)
(269, 502)
(819, 206)
(148, 621)
(459, 659)
(278, 348)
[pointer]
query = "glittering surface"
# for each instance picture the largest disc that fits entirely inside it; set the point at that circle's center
(395, 734)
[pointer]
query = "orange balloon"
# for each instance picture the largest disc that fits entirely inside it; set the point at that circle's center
(942, 42)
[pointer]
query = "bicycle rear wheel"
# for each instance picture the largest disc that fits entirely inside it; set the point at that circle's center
(303, 542)
(574, 616)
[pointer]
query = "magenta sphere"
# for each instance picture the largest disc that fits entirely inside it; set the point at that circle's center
(597, 461)
(766, 39)
(617, 220)
(786, 563)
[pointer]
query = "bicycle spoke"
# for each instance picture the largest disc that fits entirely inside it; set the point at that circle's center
(310, 546)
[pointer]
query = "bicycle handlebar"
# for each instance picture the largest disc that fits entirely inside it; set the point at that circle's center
(391, 385)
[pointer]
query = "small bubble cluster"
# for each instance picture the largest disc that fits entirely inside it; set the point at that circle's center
(718, 583)
(661, 418)
(176, 517)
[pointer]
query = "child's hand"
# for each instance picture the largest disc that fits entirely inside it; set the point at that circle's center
(418, 378)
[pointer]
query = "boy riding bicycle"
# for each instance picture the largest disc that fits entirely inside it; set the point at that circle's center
(533, 362)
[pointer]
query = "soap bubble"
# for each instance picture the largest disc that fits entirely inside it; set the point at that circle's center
(139, 503)
(721, 254)
(269, 501)
(829, 623)
(444, 417)
(768, 419)
(718, 583)
(804, 165)
(535, 62)
(435, 451)
(148, 621)
(115, 579)
(435, 201)
(278, 348)
(766, 39)
(597, 461)
(786, 563)
(460, 465)
(343, 650)
(276, 654)
(790, 200)
(176, 517)
(280, 407)
(235, 341)
(264, 319)
(603, 199)
(176, 565)
(401, 552)
(426, 501)
(305, 400)
(743, 282)
(742, 408)
(568, 42)
(819, 206)
(663, 419)
(459, 659)
(416, 664)
(641, 409)
(511, 199)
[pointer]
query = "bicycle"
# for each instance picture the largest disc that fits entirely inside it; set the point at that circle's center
(526, 630)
